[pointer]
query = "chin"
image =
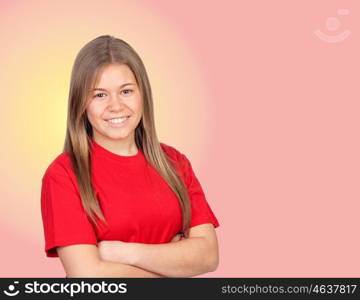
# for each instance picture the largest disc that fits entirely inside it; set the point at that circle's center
(121, 134)
(118, 137)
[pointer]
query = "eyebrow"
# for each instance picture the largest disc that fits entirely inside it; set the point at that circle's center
(125, 84)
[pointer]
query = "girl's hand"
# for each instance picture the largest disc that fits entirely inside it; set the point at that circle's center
(116, 251)
(107, 250)
(122, 252)
(177, 238)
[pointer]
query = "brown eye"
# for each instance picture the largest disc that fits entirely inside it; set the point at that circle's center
(99, 94)
(127, 90)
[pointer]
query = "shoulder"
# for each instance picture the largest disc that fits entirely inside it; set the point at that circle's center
(172, 152)
(60, 166)
(181, 163)
(178, 158)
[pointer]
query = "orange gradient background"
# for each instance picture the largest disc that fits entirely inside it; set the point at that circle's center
(266, 111)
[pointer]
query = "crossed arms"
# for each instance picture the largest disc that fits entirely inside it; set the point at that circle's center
(188, 257)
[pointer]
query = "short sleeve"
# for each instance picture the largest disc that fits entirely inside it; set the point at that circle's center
(201, 212)
(65, 222)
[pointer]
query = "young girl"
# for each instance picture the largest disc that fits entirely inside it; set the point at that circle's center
(117, 202)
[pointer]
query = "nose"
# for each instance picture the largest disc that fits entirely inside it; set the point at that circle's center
(115, 103)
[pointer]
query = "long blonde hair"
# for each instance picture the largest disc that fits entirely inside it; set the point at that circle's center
(89, 62)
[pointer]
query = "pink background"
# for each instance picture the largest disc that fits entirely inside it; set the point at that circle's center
(265, 109)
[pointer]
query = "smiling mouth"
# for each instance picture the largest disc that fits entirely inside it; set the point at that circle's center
(117, 120)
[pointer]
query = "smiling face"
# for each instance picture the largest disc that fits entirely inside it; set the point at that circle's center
(115, 106)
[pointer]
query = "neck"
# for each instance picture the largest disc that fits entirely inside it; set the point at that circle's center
(123, 147)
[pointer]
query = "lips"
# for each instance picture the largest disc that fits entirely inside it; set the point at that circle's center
(117, 122)
(117, 118)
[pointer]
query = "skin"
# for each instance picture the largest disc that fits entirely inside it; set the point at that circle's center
(182, 257)
(118, 251)
(110, 99)
(186, 257)
(112, 102)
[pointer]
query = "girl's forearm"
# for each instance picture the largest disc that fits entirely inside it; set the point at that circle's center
(185, 258)
(119, 270)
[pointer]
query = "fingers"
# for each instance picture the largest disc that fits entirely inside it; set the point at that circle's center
(176, 238)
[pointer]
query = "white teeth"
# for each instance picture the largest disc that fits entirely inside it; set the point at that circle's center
(117, 120)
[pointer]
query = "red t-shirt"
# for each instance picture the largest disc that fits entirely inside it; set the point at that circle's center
(137, 203)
